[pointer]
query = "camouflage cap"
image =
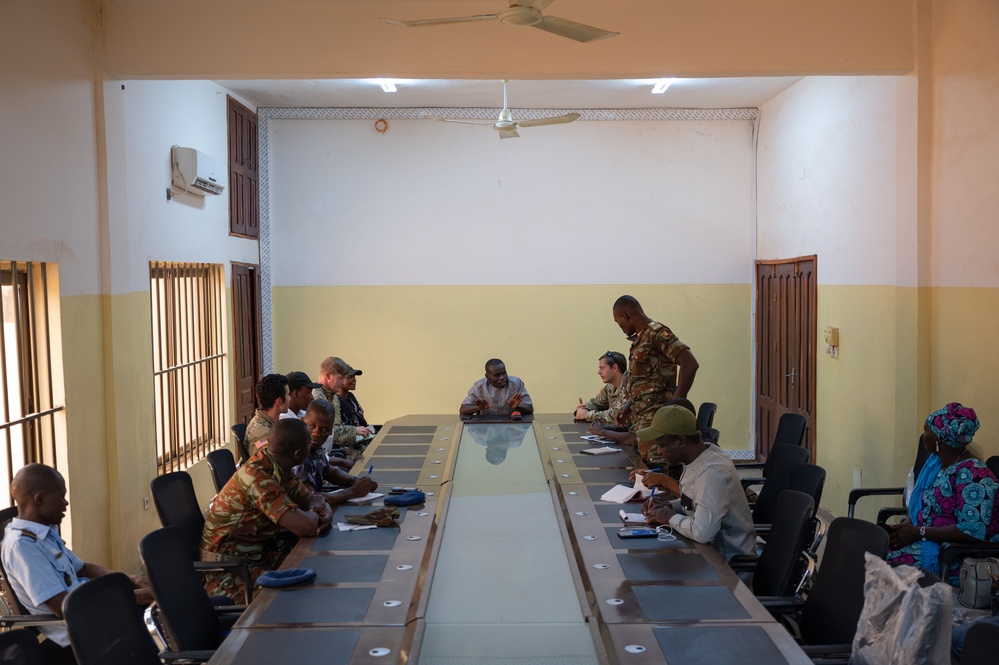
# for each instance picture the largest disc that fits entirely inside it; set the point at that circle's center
(674, 420)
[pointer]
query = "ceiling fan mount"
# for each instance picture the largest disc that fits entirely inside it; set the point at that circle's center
(521, 15)
(506, 125)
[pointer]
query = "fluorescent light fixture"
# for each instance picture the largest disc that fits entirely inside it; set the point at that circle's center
(661, 85)
(388, 85)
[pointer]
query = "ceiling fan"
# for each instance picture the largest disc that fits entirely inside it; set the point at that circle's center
(521, 13)
(506, 125)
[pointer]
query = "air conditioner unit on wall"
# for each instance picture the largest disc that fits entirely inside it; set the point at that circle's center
(197, 173)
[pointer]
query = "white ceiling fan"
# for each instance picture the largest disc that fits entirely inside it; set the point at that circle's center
(521, 13)
(506, 125)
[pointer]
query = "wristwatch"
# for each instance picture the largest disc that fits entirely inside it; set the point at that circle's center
(922, 532)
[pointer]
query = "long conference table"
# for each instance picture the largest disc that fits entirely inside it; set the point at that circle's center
(513, 559)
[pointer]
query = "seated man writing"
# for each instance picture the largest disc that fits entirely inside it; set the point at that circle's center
(712, 507)
(252, 515)
(496, 393)
(317, 469)
(40, 568)
(612, 368)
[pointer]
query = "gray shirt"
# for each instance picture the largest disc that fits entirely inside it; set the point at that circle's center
(720, 513)
(498, 397)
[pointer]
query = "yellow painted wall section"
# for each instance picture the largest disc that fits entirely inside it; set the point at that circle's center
(964, 357)
(86, 526)
(421, 347)
(857, 393)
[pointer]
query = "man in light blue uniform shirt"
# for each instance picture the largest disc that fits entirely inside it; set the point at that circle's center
(40, 568)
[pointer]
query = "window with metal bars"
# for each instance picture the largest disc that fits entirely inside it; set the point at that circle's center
(189, 361)
(30, 368)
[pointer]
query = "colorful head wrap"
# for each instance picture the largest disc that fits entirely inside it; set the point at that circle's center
(955, 425)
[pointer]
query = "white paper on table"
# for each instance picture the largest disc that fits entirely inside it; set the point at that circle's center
(345, 526)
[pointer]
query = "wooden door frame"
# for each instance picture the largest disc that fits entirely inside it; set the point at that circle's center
(808, 352)
(258, 333)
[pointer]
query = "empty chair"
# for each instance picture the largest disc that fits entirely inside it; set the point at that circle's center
(783, 459)
(239, 431)
(105, 624)
(706, 414)
(827, 620)
(190, 619)
(778, 568)
(810, 479)
(20, 647)
(790, 431)
(885, 513)
(223, 466)
(177, 505)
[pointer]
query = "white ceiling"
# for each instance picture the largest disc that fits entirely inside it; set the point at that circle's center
(421, 93)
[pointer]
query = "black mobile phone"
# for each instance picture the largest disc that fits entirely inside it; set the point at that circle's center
(401, 490)
(637, 533)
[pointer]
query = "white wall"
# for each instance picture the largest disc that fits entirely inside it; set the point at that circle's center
(144, 119)
(829, 179)
(441, 204)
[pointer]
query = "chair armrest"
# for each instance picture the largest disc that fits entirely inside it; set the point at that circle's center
(859, 492)
(763, 530)
(743, 563)
(739, 466)
(828, 653)
(951, 552)
(749, 482)
(12, 620)
(183, 657)
(886, 513)
(781, 604)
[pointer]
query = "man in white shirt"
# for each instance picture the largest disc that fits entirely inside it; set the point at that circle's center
(496, 393)
(300, 388)
(712, 507)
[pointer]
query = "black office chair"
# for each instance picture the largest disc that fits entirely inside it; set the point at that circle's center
(239, 431)
(15, 614)
(706, 414)
(223, 466)
(981, 645)
(190, 620)
(783, 458)
(827, 618)
(885, 513)
(777, 570)
(106, 628)
(20, 647)
(177, 505)
(790, 431)
(811, 479)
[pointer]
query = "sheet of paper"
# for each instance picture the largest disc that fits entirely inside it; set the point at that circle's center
(345, 526)
(371, 496)
(605, 450)
(632, 518)
(619, 494)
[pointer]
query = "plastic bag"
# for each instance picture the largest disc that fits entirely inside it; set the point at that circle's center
(910, 484)
(902, 623)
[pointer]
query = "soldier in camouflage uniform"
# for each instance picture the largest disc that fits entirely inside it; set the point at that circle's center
(661, 368)
(272, 397)
(612, 369)
(260, 511)
(332, 373)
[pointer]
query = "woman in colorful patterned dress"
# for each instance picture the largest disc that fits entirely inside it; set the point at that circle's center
(954, 497)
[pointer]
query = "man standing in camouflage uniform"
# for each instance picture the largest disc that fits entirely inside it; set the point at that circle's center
(272, 398)
(333, 373)
(613, 370)
(252, 515)
(660, 368)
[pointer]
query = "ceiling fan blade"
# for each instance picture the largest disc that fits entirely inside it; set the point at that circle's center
(440, 21)
(460, 122)
(566, 28)
(556, 120)
(509, 134)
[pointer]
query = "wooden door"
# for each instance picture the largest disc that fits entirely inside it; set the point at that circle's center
(246, 337)
(785, 347)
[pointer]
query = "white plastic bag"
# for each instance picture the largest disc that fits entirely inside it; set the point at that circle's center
(901, 623)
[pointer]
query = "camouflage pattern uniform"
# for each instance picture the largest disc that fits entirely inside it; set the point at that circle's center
(243, 522)
(652, 372)
(257, 430)
(344, 435)
(604, 407)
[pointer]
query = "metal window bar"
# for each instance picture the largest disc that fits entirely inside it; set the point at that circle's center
(188, 361)
(27, 416)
